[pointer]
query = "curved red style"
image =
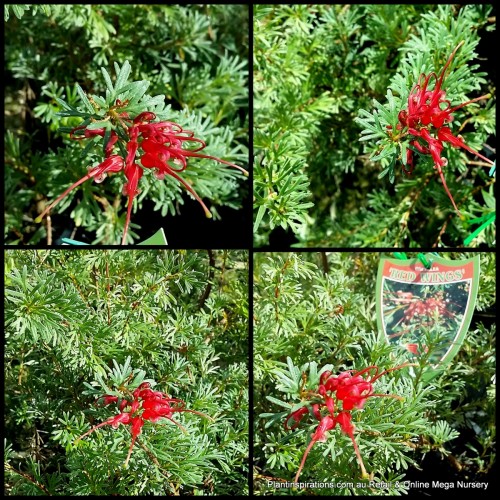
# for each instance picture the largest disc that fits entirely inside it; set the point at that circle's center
(427, 113)
(146, 405)
(162, 146)
(342, 393)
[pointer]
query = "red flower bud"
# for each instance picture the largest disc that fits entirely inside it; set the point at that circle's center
(121, 418)
(145, 116)
(109, 399)
(324, 377)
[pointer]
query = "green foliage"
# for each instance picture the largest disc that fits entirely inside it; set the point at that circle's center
(19, 10)
(322, 72)
(425, 52)
(191, 58)
(81, 323)
(315, 312)
(287, 110)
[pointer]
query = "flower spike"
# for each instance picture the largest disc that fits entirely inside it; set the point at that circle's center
(351, 388)
(426, 117)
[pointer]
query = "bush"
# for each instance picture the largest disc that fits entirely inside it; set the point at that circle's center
(327, 78)
(317, 311)
(82, 324)
(192, 56)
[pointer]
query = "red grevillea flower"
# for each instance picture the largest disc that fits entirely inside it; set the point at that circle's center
(326, 424)
(145, 405)
(297, 417)
(162, 146)
(425, 117)
(351, 390)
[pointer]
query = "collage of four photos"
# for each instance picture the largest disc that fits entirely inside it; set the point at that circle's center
(249, 249)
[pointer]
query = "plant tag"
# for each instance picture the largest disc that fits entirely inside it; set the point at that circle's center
(427, 312)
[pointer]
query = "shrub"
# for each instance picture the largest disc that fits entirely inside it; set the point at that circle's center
(315, 312)
(192, 56)
(329, 80)
(84, 324)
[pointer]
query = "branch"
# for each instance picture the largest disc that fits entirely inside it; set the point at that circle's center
(150, 454)
(109, 291)
(324, 262)
(29, 478)
(206, 293)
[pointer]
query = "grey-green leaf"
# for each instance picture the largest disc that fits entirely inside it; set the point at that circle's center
(85, 99)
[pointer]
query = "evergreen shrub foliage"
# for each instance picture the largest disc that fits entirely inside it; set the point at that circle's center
(314, 311)
(328, 80)
(81, 324)
(195, 59)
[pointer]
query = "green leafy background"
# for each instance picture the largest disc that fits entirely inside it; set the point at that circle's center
(319, 72)
(196, 56)
(179, 316)
(317, 309)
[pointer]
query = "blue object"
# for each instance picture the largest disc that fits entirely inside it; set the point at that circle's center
(68, 241)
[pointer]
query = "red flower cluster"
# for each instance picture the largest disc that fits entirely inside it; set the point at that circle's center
(352, 390)
(146, 404)
(428, 307)
(416, 309)
(162, 145)
(417, 306)
(425, 118)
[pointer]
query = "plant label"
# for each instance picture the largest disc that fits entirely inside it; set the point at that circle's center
(427, 311)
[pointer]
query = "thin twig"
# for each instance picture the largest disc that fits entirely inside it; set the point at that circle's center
(148, 290)
(109, 291)
(442, 231)
(150, 454)
(208, 288)
(29, 478)
(277, 290)
(75, 282)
